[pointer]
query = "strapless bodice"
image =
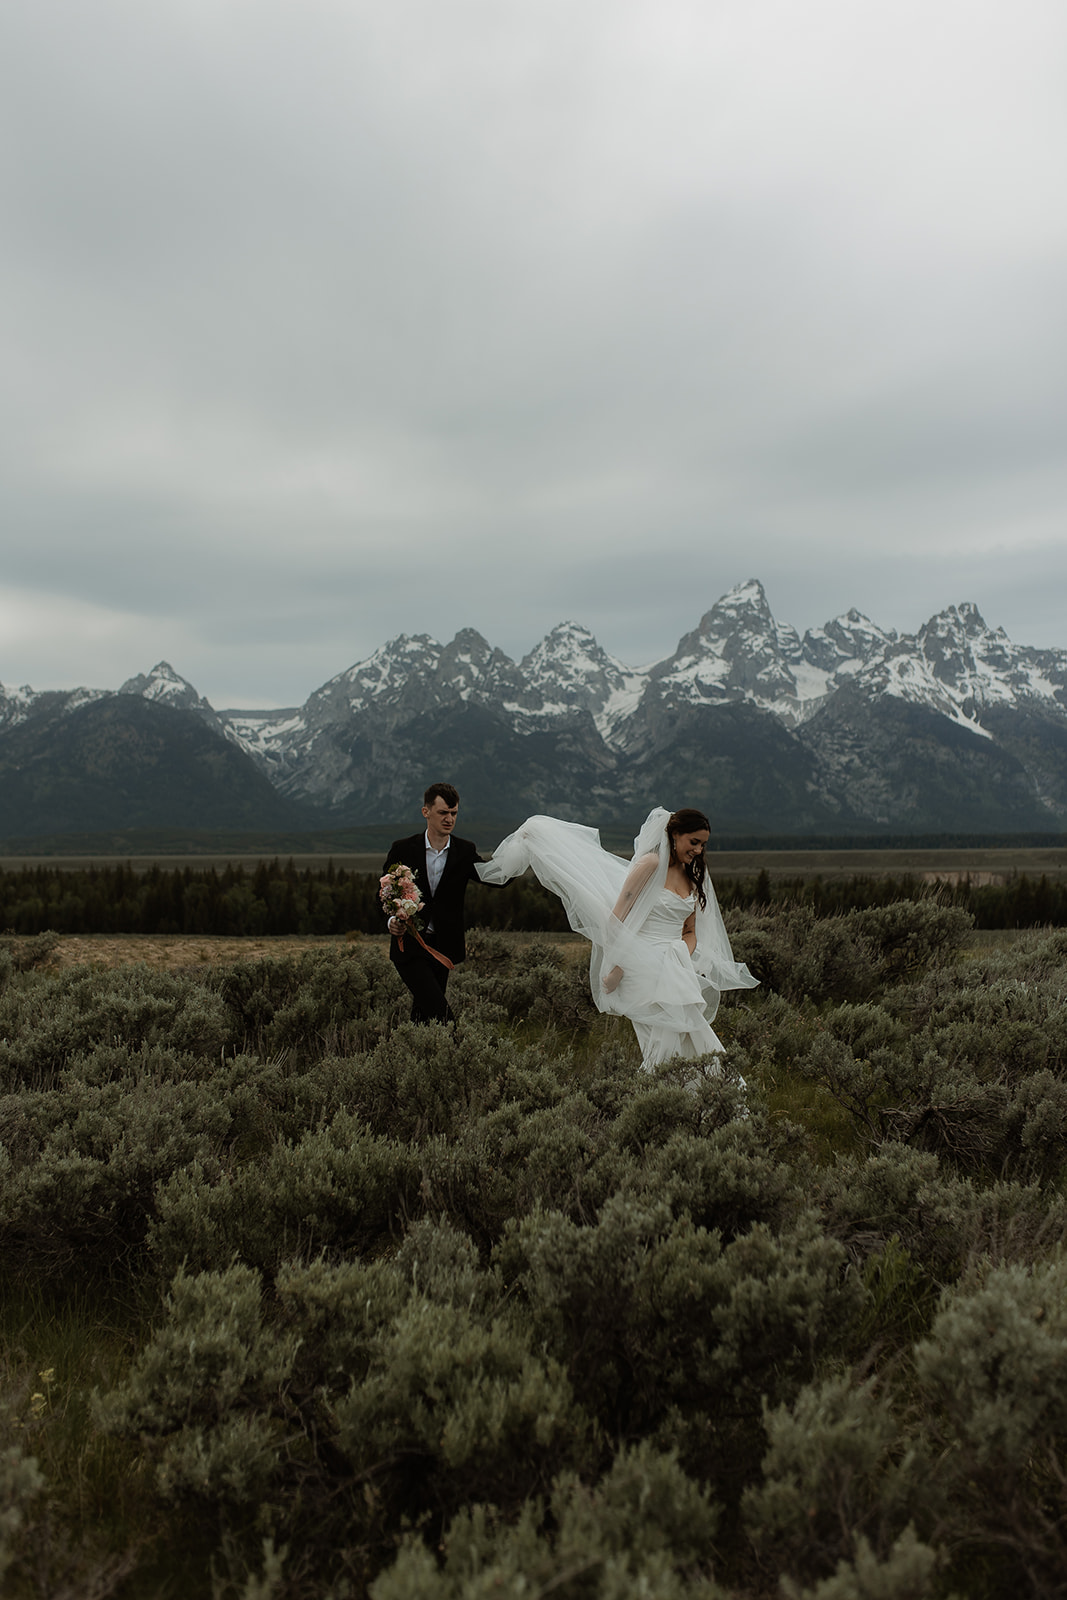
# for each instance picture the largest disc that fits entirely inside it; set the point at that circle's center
(666, 919)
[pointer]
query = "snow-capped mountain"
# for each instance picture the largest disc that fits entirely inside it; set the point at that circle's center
(850, 728)
(568, 672)
(166, 687)
(20, 705)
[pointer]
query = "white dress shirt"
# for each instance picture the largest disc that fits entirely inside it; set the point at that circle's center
(435, 866)
(435, 861)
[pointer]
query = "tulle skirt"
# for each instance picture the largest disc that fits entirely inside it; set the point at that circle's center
(667, 999)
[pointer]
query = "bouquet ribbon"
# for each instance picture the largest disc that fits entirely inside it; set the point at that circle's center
(400, 937)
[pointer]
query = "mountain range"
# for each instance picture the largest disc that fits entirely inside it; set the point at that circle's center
(850, 730)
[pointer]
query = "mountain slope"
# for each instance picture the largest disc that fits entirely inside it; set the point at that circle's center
(125, 762)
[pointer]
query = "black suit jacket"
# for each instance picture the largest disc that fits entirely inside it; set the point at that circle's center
(446, 906)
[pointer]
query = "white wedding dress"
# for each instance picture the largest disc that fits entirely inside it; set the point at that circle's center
(670, 996)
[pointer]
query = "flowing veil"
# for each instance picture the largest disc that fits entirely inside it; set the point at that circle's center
(569, 860)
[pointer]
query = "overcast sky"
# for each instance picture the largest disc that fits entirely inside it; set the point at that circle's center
(326, 321)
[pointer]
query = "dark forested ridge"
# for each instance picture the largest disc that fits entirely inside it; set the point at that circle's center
(123, 762)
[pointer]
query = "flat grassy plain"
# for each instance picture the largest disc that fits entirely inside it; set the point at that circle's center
(186, 952)
(997, 863)
(179, 952)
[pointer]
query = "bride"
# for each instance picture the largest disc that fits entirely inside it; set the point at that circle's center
(660, 955)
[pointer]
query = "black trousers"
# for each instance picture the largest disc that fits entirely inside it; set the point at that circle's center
(426, 978)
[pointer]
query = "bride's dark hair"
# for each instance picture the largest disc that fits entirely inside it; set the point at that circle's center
(689, 821)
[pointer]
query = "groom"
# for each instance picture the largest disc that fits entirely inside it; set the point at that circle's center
(443, 866)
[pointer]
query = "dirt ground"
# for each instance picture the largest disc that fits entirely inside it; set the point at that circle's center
(182, 952)
(178, 951)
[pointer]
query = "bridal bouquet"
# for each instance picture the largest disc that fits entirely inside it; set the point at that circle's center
(399, 894)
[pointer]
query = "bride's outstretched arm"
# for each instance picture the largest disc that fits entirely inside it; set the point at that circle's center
(636, 879)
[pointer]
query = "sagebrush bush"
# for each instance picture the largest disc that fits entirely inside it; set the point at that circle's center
(80, 1166)
(727, 1178)
(910, 1571)
(643, 1530)
(838, 1468)
(380, 1391)
(452, 1309)
(22, 955)
(323, 1002)
(651, 1316)
(422, 1082)
(845, 958)
(993, 1385)
(47, 1021)
(338, 1187)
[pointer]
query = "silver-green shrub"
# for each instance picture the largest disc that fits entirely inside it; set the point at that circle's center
(838, 1468)
(47, 1020)
(323, 1002)
(993, 1378)
(82, 1162)
(644, 1530)
(338, 1188)
(666, 1332)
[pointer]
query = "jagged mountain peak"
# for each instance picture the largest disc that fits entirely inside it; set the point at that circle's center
(417, 672)
(737, 650)
(566, 640)
(167, 687)
(962, 619)
(570, 670)
(473, 669)
(386, 668)
(406, 649)
(845, 642)
(162, 683)
(470, 652)
(959, 667)
(747, 595)
(741, 620)
(568, 652)
(744, 608)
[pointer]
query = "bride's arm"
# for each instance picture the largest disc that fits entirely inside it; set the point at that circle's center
(689, 932)
(636, 879)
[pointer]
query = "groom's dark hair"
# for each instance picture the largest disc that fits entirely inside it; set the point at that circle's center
(448, 794)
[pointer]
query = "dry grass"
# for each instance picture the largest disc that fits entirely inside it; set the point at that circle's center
(176, 952)
(179, 951)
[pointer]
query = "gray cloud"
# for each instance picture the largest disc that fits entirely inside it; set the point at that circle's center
(328, 322)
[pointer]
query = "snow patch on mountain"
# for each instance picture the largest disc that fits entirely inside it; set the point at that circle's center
(959, 667)
(21, 704)
(16, 704)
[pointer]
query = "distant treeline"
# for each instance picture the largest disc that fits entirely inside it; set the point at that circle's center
(276, 898)
(273, 898)
(1020, 902)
